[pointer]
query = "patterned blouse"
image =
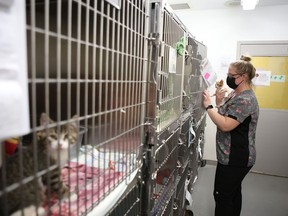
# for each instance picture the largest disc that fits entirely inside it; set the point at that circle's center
(237, 147)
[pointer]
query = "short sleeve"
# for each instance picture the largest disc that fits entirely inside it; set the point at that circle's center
(240, 108)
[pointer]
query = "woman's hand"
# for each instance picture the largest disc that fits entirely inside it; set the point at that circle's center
(206, 99)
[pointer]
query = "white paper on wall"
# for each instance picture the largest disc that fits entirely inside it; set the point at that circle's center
(262, 78)
(172, 60)
(14, 110)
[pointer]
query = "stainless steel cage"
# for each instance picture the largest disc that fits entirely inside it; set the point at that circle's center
(166, 55)
(130, 71)
(88, 58)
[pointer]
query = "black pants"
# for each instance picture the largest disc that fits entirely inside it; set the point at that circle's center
(227, 189)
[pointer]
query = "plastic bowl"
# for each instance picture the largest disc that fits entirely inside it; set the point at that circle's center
(75, 148)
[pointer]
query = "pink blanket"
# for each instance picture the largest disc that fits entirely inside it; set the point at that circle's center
(90, 184)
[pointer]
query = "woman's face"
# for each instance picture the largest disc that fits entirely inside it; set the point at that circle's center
(232, 72)
(233, 78)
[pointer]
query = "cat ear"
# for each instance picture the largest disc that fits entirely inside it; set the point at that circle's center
(75, 116)
(45, 120)
(74, 123)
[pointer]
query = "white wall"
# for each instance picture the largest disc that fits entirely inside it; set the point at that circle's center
(220, 30)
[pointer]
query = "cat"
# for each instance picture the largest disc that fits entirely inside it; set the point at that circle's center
(219, 87)
(50, 146)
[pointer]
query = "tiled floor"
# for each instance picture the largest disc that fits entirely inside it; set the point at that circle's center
(263, 195)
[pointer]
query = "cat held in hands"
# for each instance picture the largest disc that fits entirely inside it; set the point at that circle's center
(219, 88)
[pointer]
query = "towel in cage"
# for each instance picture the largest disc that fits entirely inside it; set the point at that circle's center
(90, 177)
(88, 183)
(107, 159)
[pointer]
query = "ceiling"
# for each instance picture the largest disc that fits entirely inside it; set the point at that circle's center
(218, 4)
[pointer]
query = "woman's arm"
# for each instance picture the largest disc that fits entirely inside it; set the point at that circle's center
(224, 123)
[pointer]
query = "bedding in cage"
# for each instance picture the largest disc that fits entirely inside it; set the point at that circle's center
(91, 177)
(96, 173)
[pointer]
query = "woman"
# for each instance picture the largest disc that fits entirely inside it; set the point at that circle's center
(236, 121)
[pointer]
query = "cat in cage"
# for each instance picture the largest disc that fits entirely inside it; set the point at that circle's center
(30, 195)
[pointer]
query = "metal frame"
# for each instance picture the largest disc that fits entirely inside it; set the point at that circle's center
(113, 66)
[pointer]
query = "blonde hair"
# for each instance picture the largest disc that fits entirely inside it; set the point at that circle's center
(244, 66)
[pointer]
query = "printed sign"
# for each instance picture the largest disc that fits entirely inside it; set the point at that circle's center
(278, 78)
(262, 78)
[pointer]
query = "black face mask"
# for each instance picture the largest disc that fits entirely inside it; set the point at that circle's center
(231, 82)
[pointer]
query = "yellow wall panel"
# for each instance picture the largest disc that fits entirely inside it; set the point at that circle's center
(274, 96)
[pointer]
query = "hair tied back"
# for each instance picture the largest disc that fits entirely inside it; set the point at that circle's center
(245, 58)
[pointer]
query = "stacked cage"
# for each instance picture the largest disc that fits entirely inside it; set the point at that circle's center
(86, 59)
(196, 87)
(193, 120)
(117, 123)
(175, 118)
(166, 52)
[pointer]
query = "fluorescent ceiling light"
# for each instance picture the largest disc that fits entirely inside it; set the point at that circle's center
(249, 4)
(180, 6)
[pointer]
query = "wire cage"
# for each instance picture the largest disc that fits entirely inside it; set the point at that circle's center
(194, 83)
(186, 141)
(83, 60)
(114, 90)
(166, 171)
(193, 122)
(180, 201)
(170, 70)
(165, 80)
(197, 149)
(128, 204)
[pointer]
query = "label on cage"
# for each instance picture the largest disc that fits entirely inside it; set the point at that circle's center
(14, 110)
(208, 73)
(172, 60)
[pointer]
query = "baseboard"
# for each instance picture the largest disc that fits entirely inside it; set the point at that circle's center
(211, 162)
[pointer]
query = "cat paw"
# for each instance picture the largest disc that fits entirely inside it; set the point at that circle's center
(64, 191)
